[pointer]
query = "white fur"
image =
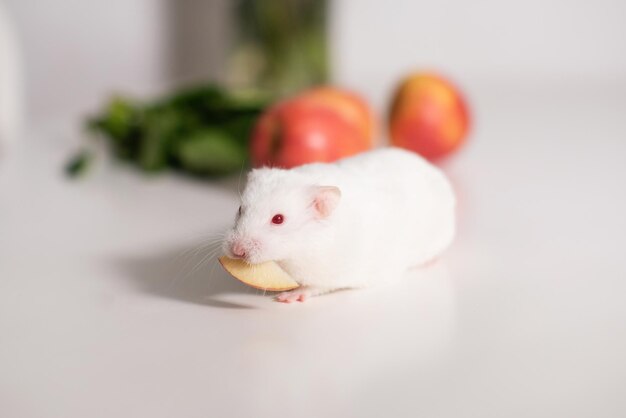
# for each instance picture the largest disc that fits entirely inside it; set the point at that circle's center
(395, 211)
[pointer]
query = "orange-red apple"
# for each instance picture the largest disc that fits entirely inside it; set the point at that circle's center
(323, 124)
(349, 104)
(428, 115)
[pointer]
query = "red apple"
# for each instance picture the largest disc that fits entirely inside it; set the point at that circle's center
(350, 105)
(428, 115)
(323, 124)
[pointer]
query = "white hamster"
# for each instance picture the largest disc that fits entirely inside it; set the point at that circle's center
(354, 223)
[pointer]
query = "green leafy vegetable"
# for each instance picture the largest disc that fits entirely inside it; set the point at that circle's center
(78, 164)
(211, 152)
(203, 130)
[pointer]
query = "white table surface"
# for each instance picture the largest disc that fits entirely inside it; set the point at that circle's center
(103, 315)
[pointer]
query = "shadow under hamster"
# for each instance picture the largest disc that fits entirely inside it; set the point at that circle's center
(186, 274)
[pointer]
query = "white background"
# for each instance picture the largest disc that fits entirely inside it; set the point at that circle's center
(102, 313)
(78, 52)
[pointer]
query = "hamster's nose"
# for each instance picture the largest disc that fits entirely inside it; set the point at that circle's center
(238, 249)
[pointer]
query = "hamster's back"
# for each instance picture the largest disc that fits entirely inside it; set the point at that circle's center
(396, 209)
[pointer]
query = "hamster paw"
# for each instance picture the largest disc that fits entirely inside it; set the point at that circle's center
(297, 295)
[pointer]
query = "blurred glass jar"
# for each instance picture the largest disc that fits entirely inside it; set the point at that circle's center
(279, 45)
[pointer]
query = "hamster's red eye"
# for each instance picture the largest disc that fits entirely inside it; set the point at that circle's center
(239, 211)
(278, 219)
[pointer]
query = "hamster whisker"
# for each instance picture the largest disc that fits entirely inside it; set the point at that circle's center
(203, 236)
(203, 244)
(212, 270)
(212, 247)
(187, 273)
(206, 257)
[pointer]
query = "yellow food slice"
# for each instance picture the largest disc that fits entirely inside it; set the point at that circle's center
(264, 276)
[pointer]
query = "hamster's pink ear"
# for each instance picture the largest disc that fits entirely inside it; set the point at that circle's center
(325, 200)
